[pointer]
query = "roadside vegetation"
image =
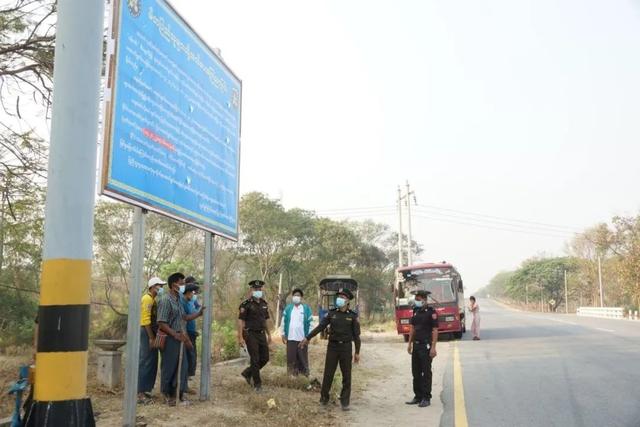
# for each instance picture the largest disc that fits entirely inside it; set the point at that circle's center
(539, 282)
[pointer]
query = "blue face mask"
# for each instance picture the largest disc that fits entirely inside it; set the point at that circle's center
(257, 294)
(182, 289)
(194, 298)
(160, 290)
(419, 303)
(340, 302)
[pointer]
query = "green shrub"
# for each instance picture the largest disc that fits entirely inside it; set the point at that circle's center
(225, 341)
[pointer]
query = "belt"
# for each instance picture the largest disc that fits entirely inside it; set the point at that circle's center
(421, 342)
(340, 342)
(255, 330)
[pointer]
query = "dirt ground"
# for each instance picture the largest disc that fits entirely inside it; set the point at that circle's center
(381, 384)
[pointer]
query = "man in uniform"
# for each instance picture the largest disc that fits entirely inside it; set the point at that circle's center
(344, 328)
(253, 332)
(422, 348)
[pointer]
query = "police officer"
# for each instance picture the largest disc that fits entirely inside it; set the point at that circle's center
(422, 347)
(253, 332)
(344, 328)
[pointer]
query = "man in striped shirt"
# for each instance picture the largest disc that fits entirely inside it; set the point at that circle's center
(172, 321)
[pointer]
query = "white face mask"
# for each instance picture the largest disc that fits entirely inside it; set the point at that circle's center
(296, 299)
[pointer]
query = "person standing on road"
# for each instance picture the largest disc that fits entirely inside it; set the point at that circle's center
(344, 328)
(296, 322)
(254, 334)
(148, 366)
(475, 324)
(423, 337)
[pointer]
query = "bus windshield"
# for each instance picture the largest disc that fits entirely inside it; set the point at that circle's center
(440, 287)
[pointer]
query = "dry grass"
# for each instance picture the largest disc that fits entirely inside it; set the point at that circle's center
(233, 401)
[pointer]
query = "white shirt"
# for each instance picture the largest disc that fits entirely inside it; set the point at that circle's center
(296, 323)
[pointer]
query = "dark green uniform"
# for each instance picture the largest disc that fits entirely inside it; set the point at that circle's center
(255, 315)
(344, 328)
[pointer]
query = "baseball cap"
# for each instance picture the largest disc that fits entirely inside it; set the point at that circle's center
(155, 281)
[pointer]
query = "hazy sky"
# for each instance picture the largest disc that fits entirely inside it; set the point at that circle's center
(516, 109)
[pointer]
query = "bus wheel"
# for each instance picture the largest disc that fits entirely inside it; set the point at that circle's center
(457, 335)
(406, 338)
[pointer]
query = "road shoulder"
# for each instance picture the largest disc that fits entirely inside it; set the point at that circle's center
(381, 403)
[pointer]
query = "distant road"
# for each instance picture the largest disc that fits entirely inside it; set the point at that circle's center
(541, 369)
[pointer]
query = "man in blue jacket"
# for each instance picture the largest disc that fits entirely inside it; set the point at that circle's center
(296, 322)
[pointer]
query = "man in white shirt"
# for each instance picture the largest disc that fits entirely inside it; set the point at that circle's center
(296, 323)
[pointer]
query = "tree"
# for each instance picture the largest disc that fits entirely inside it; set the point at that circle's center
(541, 275)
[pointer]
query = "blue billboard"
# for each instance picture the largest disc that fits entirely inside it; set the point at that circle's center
(172, 120)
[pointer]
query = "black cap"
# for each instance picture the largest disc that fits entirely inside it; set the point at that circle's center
(346, 292)
(297, 291)
(422, 293)
(191, 279)
(257, 283)
(191, 287)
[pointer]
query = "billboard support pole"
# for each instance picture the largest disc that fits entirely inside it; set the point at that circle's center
(133, 321)
(205, 364)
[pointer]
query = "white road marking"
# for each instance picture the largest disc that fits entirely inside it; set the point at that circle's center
(605, 330)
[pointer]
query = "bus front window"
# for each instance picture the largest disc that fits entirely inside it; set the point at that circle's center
(441, 288)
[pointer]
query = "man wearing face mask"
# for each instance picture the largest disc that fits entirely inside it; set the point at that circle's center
(171, 321)
(189, 300)
(422, 347)
(148, 366)
(296, 322)
(344, 328)
(253, 332)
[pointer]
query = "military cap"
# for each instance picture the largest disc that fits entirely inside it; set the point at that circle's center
(346, 292)
(257, 283)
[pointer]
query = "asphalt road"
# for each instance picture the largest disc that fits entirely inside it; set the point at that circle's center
(540, 369)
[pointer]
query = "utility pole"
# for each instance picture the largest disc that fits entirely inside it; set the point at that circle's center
(60, 390)
(600, 281)
(409, 238)
(541, 301)
(526, 295)
(400, 260)
(566, 294)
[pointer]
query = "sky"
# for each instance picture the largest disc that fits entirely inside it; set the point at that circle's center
(515, 110)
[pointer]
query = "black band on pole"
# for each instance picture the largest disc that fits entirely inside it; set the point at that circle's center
(71, 413)
(63, 328)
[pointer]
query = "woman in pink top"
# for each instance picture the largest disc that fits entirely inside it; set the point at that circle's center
(475, 325)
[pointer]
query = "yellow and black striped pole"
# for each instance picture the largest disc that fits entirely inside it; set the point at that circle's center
(60, 392)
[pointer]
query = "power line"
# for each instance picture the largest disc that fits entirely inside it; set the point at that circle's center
(465, 217)
(514, 230)
(500, 218)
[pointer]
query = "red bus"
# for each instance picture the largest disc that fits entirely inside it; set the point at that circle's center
(447, 296)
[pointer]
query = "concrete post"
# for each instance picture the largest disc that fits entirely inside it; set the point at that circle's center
(60, 391)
